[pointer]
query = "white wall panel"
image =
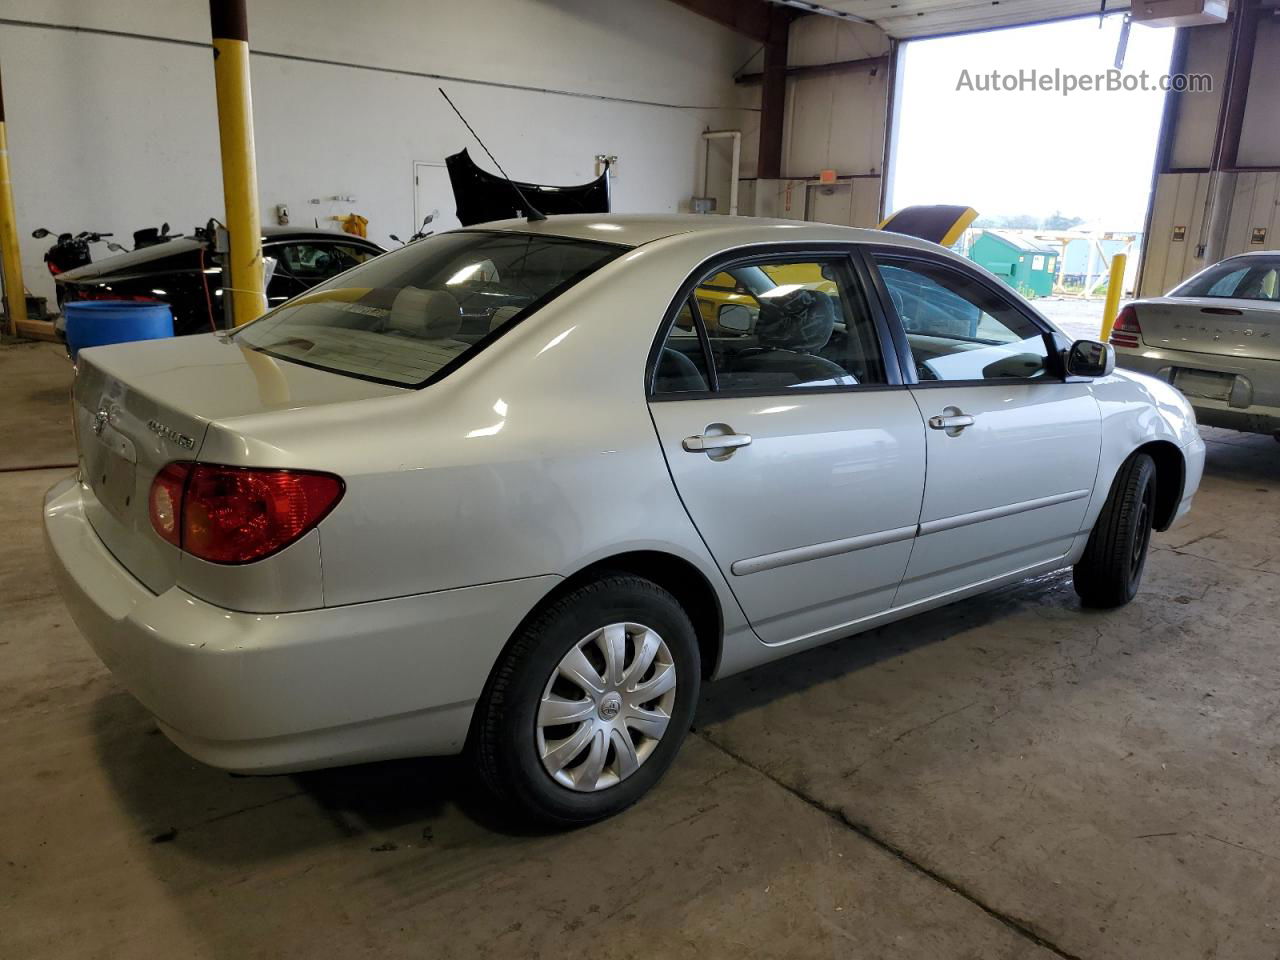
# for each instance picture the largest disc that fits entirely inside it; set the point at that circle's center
(1260, 137)
(116, 133)
(1197, 116)
(850, 203)
(835, 120)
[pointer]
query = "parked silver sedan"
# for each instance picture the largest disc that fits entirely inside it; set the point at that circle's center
(1216, 337)
(519, 490)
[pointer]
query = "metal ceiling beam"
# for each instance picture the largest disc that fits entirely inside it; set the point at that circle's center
(770, 24)
(836, 66)
(773, 94)
(1244, 40)
(751, 18)
(804, 6)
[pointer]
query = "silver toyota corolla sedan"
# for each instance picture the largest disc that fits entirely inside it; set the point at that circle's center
(520, 489)
(1216, 337)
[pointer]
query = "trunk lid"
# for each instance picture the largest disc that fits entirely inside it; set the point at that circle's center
(138, 406)
(1221, 326)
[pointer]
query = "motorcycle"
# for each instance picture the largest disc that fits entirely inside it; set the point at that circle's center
(151, 237)
(72, 250)
(422, 232)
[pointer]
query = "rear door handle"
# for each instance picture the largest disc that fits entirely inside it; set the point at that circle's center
(707, 443)
(952, 423)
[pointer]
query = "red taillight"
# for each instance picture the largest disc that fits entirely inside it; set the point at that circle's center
(1126, 332)
(238, 514)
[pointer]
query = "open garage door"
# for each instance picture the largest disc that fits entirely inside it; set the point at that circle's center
(1034, 127)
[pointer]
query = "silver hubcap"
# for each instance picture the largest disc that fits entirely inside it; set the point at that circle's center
(606, 706)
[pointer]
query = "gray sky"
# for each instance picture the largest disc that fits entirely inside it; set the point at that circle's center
(1088, 154)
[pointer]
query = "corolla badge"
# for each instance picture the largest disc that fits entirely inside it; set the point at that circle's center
(181, 439)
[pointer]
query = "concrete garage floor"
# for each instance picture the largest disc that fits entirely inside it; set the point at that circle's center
(1009, 777)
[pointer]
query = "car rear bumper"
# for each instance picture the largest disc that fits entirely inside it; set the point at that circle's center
(1251, 405)
(270, 693)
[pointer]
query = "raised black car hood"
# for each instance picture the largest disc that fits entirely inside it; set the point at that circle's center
(482, 196)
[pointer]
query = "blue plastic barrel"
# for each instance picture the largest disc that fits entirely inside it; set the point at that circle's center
(91, 323)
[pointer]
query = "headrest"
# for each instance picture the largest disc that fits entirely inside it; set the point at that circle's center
(425, 314)
(502, 315)
(802, 320)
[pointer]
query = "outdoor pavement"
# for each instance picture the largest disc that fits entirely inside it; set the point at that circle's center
(1080, 319)
(1011, 776)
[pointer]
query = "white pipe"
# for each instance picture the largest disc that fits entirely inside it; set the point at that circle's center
(735, 164)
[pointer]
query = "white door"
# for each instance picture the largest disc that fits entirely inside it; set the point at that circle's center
(1012, 449)
(796, 450)
(432, 194)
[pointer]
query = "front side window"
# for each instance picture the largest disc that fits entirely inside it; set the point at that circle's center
(772, 326)
(957, 328)
(403, 316)
(1242, 278)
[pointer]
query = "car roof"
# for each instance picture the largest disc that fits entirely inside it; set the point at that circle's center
(272, 233)
(635, 229)
(1251, 253)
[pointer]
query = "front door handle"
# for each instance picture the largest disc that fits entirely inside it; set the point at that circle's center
(951, 420)
(711, 443)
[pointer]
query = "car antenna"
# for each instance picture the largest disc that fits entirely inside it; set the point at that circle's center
(531, 212)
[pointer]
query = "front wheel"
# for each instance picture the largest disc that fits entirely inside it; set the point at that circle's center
(1110, 570)
(588, 706)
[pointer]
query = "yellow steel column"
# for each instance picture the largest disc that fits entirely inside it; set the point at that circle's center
(242, 278)
(10, 254)
(1115, 287)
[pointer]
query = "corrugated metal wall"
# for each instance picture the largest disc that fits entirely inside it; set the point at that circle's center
(834, 121)
(1181, 199)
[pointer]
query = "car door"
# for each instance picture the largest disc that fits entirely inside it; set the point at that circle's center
(793, 443)
(1012, 447)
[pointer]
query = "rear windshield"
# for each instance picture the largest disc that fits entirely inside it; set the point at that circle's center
(405, 316)
(1242, 278)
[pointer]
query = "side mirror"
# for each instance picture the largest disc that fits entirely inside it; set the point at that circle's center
(734, 317)
(395, 238)
(1089, 358)
(40, 233)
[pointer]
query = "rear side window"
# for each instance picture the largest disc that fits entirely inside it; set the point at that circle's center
(957, 328)
(404, 316)
(1242, 278)
(772, 326)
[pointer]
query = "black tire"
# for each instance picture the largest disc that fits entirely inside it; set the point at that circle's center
(1110, 570)
(504, 743)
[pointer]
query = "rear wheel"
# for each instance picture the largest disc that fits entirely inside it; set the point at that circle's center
(588, 706)
(1110, 570)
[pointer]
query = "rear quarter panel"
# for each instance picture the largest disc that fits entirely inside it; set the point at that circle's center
(536, 457)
